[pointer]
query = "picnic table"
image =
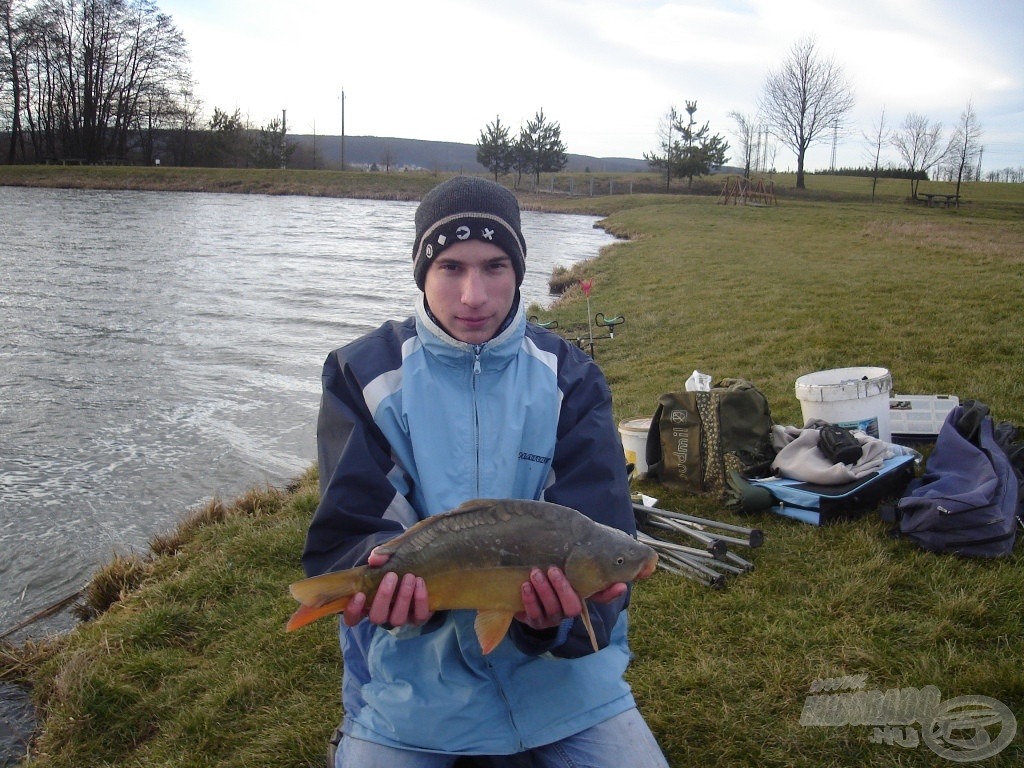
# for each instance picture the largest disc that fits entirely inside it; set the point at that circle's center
(935, 199)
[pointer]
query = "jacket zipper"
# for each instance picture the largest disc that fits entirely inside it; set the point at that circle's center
(477, 351)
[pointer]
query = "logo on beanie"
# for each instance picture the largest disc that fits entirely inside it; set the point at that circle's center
(429, 251)
(463, 232)
(488, 233)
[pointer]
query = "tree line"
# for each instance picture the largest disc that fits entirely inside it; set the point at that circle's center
(109, 81)
(98, 81)
(89, 79)
(805, 101)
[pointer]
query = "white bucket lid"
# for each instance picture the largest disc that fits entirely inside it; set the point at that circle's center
(635, 425)
(843, 384)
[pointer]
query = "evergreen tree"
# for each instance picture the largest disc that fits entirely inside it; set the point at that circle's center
(700, 152)
(687, 152)
(270, 148)
(540, 148)
(495, 149)
(224, 145)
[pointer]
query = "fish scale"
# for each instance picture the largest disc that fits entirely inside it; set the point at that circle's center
(478, 535)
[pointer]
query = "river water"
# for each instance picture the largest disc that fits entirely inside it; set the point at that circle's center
(160, 349)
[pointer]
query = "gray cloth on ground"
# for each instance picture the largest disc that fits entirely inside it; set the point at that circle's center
(799, 458)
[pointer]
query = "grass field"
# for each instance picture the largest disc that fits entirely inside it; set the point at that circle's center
(191, 667)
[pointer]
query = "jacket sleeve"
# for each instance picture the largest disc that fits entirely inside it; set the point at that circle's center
(354, 459)
(589, 472)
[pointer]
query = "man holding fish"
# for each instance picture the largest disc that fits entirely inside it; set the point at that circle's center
(499, 628)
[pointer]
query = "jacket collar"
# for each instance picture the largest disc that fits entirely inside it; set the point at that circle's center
(492, 354)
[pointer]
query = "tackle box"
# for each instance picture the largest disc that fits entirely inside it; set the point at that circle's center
(919, 417)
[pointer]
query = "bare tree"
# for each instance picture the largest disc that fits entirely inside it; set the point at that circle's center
(746, 133)
(919, 144)
(668, 144)
(182, 141)
(387, 157)
(91, 77)
(13, 42)
(964, 146)
(805, 100)
(764, 151)
(876, 141)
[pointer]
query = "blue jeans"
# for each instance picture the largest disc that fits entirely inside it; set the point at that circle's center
(624, 740)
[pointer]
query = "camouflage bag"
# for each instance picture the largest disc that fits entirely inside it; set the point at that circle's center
(697, 438)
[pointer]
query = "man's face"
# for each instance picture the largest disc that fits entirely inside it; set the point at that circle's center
(470, 288)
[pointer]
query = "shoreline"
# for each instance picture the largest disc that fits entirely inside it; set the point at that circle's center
(404, 186)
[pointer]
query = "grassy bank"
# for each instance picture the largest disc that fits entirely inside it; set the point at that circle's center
(191, 667)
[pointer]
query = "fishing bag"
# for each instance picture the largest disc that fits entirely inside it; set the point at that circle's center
(823, 504)
(968, 502)
(697, 438)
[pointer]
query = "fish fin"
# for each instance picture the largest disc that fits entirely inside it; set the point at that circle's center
(491, 628)
(585, 616)
(307, 614)
(325, 594)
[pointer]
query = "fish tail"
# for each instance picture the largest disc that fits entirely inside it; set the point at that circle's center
(325, 594)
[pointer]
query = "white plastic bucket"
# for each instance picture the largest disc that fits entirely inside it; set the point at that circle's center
(634, 443)
(857, 398)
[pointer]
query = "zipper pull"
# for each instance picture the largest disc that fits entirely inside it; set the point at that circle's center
(476, 359)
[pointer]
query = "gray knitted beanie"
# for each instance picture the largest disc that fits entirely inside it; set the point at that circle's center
(467, 208)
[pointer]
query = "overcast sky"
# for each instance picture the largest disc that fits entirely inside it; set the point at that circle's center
(606, 70)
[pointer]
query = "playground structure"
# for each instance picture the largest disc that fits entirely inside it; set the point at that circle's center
(739, 189)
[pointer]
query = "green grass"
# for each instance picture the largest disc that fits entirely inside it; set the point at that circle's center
(191, 667)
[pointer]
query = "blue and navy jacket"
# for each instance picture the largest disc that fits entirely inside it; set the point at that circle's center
(412, 423)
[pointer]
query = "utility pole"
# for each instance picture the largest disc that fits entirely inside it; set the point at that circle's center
(835, 141)
(343, 129)
(284, 135)
(314, 145)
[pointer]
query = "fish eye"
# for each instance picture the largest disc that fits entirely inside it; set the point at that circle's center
(620, 560)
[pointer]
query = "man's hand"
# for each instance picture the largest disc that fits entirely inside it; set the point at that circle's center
(548, 599)
(397, 602)
(614, 592)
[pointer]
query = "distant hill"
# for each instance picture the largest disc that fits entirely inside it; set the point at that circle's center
(399, 154)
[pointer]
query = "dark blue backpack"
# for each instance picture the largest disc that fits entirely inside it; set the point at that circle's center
(969, 500)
